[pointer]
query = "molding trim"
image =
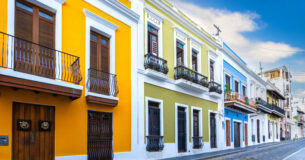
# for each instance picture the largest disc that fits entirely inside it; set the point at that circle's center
(123, 9)
(61, 1)
(172, 13)
(99, 19)
(149, 11)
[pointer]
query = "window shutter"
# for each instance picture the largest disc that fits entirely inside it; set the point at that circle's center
(24, 23)
(46, 32)
(93, 54)
(104, 65)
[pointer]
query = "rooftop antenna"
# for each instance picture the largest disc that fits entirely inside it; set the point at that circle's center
(218, 30)
(261, 68)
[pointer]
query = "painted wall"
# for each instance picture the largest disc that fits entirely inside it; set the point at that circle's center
(235, 75)
(233, 115)
(71, 116)
(169, 98)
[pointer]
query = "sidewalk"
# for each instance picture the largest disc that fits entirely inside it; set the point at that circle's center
(224, 152)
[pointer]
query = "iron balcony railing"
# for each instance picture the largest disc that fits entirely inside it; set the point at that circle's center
(102, 82)
(263, 103)
(28, 57)
(182, 72)
(197, 142)
(235, 96)
(155, 63)
(154, 143)
(215, 87)
(278, 109)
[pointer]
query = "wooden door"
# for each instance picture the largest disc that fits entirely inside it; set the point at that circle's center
(99, 136)
(228, 133)
(258, 132)
(181, 130)
(33, 132)
(213, 130)
(196, 123)
(246, 134)
(236, 134)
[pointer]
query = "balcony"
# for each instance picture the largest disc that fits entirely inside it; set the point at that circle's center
(155, 67)
(27, 65)
(102, 88)
(215, 89)
(263, 105)
(239, 102)
(276, 110)
(197, 142)
(190, 79)
(154, 143)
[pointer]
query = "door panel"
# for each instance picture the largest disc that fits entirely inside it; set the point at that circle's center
(181, 130)
(99, 136)
(228, 133)
(246, 134)
(258, 133)
(213, 130)
(33, 132)
(236, 134)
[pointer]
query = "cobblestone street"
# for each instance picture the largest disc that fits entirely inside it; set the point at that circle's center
(283, 150)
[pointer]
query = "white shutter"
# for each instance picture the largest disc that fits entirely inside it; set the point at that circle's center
(155, 48)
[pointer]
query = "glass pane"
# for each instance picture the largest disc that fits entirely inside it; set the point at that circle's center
(154, 38)
(180, 45)
(25, 7)
(46, 15)
(195, 53)
(149, 28)
(93, 37)
(104, 42)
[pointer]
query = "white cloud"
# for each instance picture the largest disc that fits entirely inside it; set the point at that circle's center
(233, 25)
(299, 78)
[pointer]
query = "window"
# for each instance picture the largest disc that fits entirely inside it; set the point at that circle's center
(99, 52)
(180, 53)
(194, 60)
(228, 81)
(236, 85)
(252, 126)
(288, 114)
(212, 70)
(269, 134)
(267, 99)
(277, 135)
(152, 40)
(244, 90)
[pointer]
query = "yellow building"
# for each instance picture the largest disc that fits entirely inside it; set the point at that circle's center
(61, 65)
(275, 100)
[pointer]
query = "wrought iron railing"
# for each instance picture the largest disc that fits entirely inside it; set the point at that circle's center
(235, 96)
(28, 57)
(102, 82)
(182, 72)
(155, 63)
(215, 87)
(197, 142)
(263, 103)
(278, 109)
(154, 143)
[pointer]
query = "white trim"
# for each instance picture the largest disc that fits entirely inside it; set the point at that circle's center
(200, 121)
(101, 96)
(54, 6)
(80, 157)
(117, 10)
(187, 125)
(12, 73)
(147, 99)
(104, 27)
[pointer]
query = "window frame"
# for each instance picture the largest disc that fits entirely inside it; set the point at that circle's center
(149, 40)
(155, 100)
(236, 86)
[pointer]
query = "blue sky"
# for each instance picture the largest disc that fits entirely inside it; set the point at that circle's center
(270, 31)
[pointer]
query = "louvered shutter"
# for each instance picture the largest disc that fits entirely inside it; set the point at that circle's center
(104, 58)
(93, 54)
(228, 133)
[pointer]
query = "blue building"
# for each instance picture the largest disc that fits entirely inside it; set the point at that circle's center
(237, 105)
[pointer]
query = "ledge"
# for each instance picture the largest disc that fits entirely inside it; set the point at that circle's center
(239, 106)
(102, 99)
(155, 74)
(215, 95)
(40, 86)
(190, 85)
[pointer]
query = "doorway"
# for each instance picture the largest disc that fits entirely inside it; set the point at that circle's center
(236, 134)
(99, 135)
(33, 131)
(181, 129)
(258, 132)
(213, 130)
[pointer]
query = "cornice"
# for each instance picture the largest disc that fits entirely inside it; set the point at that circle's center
(172, 13)
(123, 9)
(61, 1)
